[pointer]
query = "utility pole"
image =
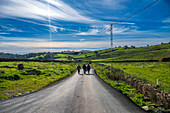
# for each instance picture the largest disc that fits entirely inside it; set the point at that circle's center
(111, 40)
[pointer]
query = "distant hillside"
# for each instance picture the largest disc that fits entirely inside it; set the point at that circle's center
(25, 56)
(65, 55)
(156, 52)
(9, 55)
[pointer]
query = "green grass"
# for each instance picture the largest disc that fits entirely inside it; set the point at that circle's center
(132, 55)
(142, 53)
(156, 52)
(122, 86)
(34, 76)
(62, 59)
(42, 56)
(148, 72)
(63, 55)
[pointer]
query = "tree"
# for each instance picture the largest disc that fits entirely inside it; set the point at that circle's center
(126, 47)
(133, 47)
(96, 52)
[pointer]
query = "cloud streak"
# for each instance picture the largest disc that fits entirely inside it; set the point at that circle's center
(3, 33)
(167, 20)
(104, 30)
(18, 47)
(7, 28)
(35, 9)
(89, 44)
(22, 39)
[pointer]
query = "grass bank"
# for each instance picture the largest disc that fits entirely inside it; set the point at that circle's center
(132, 93)
(34, 76)
(148, 72)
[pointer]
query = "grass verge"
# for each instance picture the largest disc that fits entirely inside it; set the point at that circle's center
(122, 86)
(34, 76)
(148, 72)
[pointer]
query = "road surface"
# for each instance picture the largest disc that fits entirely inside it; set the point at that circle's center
(76, 94)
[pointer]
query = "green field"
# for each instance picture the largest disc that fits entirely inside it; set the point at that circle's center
(156, 52)
(122, 86)
(34, 76)
(49, 72)
(148, 72)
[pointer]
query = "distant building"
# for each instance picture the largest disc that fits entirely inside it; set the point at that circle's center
(84, 51)
(113, 49)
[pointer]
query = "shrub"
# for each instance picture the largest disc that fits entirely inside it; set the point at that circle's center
(20, 66)
(10, 77)
(32, 72)
(16, 77)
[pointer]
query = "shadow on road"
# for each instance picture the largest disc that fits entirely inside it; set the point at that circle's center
(86, 74)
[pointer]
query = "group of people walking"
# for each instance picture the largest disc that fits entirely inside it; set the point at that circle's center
(85, 68)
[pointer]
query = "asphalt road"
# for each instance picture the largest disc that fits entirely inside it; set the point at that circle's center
(76, 94)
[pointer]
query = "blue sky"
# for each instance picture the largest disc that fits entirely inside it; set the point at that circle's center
(57, 25)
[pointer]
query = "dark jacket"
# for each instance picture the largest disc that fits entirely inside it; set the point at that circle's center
(84, 67)
(78, 67)
(88, 67)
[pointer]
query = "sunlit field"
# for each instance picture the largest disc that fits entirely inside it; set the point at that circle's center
(34, 76)
(148, 72)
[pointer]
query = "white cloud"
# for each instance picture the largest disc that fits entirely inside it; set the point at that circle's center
(105, 30)
(2, 33)
(8, 28)
(167, 20)
(29, 46)
(81, 40)
(35, 50)
(120, 30)
(2, 38)
(88, 44)
(90, 32)
(35, 9)
(54, 28)
(165, 27)
(110, 4)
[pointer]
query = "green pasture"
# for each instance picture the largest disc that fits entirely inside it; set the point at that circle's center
(132, 55)
(122, 86)
(148, 72)
(34, 76)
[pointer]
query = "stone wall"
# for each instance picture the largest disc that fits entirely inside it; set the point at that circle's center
(150, 91)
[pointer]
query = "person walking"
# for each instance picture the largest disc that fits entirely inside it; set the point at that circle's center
(84, 68)
(88, 68)
(78, 68)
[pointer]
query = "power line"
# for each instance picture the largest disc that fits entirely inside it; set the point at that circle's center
(111, 26)
(136, 12)
(106, 28)
(133, 14)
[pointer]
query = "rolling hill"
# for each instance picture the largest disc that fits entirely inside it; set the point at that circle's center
(155, 52)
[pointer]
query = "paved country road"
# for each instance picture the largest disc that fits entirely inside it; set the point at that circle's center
(76, 94)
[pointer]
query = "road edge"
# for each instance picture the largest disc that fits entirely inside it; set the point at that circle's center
(101, 80)
(47, 86)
